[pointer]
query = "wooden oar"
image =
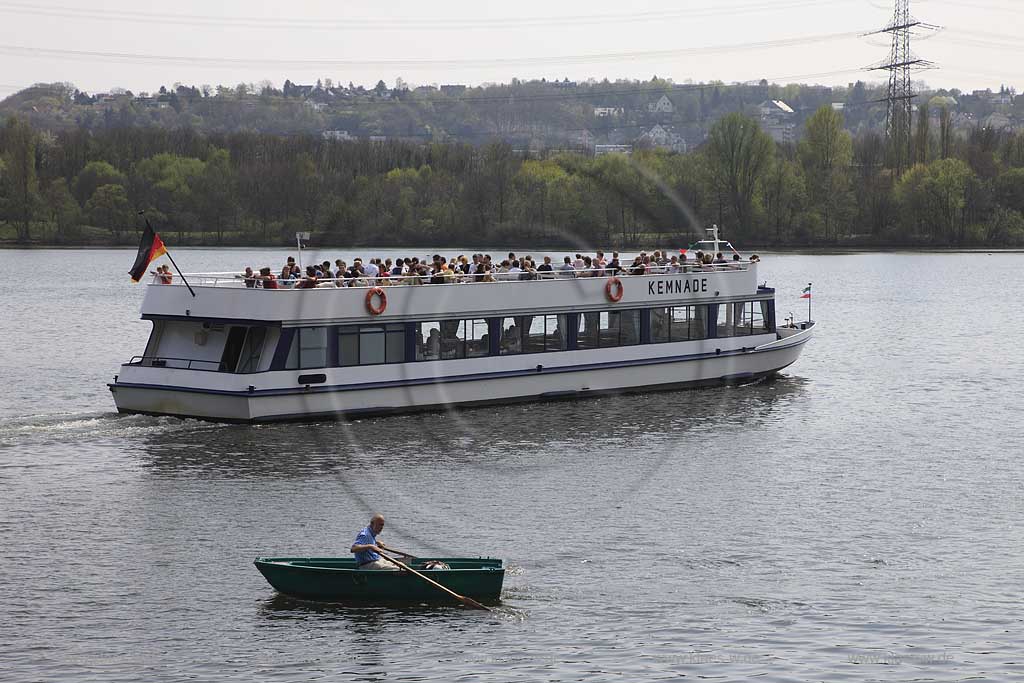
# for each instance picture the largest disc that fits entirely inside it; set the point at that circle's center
(396, 551)
(468, 602)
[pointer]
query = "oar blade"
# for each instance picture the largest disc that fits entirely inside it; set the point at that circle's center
(470, 602)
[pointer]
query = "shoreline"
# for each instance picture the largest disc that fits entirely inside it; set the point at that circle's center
(783, 249)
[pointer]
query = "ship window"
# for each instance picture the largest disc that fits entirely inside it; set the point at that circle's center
(452, 339)
(766, 317)
(309, 349)
(532, 334)
(229, 359)
(741, 319)
(587, 335)
(348, 346)
(428, 341)
(477, 338)
(371, 345)
(313, 347)
(680, 323)
(607, 329)
(252, 350)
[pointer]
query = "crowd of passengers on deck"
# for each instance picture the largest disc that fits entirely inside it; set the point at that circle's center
(378, 272)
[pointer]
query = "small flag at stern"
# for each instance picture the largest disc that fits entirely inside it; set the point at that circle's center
(151, 247)
(807, 292)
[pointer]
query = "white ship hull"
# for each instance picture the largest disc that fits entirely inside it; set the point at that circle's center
(432, 386)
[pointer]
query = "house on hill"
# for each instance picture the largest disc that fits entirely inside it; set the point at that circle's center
(662, 137)
(778, 120)
(997, 121)
(1002, 98)
(662, 106)
(774, 109)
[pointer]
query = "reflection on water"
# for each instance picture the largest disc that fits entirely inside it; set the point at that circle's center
(492, 437)
(369, 618)
(363, 617)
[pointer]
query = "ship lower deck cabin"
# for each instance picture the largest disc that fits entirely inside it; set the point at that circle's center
(227, 347)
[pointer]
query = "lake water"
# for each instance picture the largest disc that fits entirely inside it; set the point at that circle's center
(859, 518)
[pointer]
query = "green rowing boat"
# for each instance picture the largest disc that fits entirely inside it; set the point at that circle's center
(338, 579)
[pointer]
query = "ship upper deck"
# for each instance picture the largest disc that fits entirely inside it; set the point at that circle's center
(229, 297)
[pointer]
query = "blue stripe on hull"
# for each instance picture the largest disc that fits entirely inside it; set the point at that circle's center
(458, 378)
(743, 378)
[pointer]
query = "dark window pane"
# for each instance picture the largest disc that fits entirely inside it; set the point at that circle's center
(660, 321)
(698, 322)
(680, 323)
(395, 344)
(371, 345)
(428, 341)
(452, 339)
(554, 326)
(533, 329)
(348, 347)
(629, 328)
(477, 339)
(589, 330)
(511, 336)
(312, 347)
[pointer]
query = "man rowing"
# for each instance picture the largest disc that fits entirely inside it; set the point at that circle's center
(367, 549)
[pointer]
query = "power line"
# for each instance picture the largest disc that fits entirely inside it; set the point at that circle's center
(17, 50)
(998, 7)
(404, 24)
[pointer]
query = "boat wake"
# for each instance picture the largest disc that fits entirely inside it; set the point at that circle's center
(82, 427)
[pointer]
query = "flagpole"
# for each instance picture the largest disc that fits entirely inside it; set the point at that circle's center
(192, 292)
(808, 301)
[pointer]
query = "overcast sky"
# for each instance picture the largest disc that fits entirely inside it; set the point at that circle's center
(101, 44)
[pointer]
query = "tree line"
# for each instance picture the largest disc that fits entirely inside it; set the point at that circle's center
(82, 186)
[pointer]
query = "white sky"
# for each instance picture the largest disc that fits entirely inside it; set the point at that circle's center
(458, 41)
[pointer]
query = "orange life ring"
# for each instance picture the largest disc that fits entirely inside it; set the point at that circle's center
(378, 292)
(613, 289)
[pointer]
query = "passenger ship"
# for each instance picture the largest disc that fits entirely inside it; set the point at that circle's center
(246, 354)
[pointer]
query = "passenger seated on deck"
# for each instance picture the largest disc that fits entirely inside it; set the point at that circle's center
(308, 282)
(286, 277)
(367, 548)
(269, 281)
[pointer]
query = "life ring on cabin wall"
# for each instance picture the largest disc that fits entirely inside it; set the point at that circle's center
(613, 289)
(376, 308)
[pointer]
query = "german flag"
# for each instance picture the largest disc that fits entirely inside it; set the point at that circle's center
(150, 247)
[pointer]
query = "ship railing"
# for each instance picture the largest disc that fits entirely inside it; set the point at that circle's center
(177, 363)
(238, 280)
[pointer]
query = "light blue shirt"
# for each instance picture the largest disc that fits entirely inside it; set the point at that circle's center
(366, 537)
